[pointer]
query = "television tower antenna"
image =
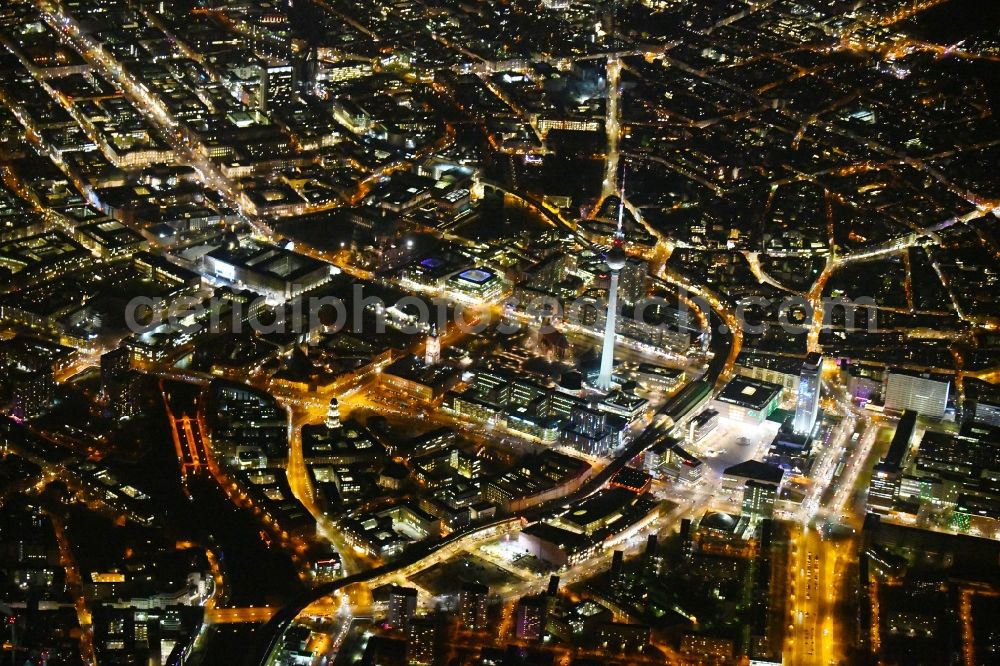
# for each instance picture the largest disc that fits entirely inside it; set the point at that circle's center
(620, 232)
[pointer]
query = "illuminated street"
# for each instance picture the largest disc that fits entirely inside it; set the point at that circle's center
(340, 333)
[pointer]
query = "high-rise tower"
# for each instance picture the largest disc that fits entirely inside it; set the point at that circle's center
(807, 406)
(432, 350)
(472, 606)
(333, 415)
(616, 262)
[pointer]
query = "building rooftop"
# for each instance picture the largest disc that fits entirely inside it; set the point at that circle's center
(749, 393)
(568, 541)
(756, 470)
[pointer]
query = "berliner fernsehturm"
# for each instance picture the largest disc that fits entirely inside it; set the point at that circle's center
(616, 261)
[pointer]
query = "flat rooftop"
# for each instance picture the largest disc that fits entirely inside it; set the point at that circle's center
(268, 260)
(756, 471)
(749, 393)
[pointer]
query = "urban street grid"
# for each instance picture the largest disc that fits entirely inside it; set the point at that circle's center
(380, 332)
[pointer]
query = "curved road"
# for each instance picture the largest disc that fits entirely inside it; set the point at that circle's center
(271, 633)
(722, 344)
(275, 628)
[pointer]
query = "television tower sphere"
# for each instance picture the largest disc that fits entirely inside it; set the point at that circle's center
(616, 258)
